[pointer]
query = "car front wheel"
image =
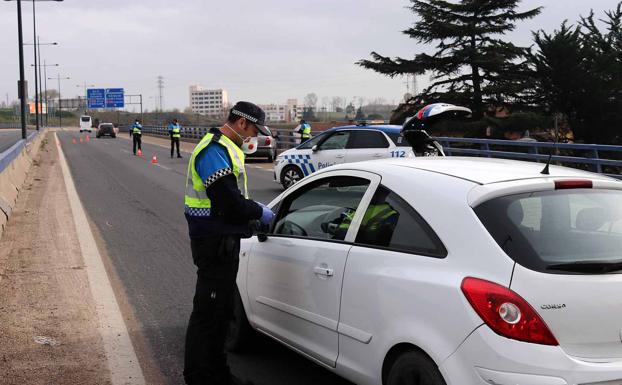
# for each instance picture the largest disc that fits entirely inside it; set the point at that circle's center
(290, 175)
(414, 368)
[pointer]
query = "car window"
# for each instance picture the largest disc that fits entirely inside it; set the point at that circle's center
(367, 139)
(336, 141)
(321, 210)
(106, 126)
(543, 229)
(398, 139)
(311, 142)
(86, 119)
(391, 223)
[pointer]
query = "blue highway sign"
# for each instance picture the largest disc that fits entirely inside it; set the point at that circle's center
(96, 98)
(115, 98)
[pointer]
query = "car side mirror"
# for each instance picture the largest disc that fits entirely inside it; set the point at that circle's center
(314, 148)
(262, 237)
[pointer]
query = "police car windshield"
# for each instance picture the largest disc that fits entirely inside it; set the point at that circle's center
(311, 142)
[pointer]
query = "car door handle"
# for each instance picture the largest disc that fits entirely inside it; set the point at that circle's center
(323, 271)
(339, 156)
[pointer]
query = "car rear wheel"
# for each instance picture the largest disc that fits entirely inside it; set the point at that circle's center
(414, 368)
(240, 331)
(290, 175)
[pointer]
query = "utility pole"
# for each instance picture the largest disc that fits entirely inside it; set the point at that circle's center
(60, 108)
(160, 89)
(23, 90)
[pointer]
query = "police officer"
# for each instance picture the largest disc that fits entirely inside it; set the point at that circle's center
(219, 212)
(174, 130)
(136, 134)
(305, 131)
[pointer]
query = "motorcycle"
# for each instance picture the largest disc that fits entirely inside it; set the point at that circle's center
(418, 138)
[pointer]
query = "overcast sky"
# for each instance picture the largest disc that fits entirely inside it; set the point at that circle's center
(263, 51)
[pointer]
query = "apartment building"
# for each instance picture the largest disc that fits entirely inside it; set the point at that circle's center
(283, 113)
(208, 102)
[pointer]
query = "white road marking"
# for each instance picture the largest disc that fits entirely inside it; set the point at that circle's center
(125, 151)
(122, 361)
(164, 167)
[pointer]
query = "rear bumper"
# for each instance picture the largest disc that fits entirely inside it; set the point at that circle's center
(486, 358)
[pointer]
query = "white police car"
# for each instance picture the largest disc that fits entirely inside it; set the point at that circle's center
(338, 145)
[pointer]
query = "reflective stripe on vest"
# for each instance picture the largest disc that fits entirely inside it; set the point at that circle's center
(196, 197)
(306, 132)
(176, 131)
(136, 128)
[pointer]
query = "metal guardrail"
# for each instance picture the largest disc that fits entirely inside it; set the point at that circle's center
(11, 125)
(604, 159)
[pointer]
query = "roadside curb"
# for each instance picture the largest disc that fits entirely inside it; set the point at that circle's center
(15, 164)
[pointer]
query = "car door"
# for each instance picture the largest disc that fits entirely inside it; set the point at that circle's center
(294, 277)
(331, 151)
(366, 145)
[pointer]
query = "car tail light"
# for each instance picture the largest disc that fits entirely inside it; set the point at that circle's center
(267, 141)
(506, 313)
(576, 183)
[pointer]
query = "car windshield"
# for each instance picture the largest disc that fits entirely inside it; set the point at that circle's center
(558, 231)
(86, 119)
(106, 126)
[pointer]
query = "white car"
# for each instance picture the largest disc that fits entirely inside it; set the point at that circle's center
(340, 145)
(442, 270)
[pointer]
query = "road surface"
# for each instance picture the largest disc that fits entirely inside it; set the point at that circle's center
(137, 210)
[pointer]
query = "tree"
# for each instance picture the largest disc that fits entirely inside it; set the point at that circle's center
(578, 72)
(311, 100)
(336, 103)
(471, 65)
(359, 114)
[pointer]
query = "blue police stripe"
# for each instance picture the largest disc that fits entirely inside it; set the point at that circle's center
(304, 169)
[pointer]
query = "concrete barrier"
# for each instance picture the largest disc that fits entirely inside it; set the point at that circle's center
(14, 166)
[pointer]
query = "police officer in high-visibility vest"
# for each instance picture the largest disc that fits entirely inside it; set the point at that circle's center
(174, 130)
(305, 131)
(219, 212)
(136, 131)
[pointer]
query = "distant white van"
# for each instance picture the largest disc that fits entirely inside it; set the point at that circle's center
(85, 123)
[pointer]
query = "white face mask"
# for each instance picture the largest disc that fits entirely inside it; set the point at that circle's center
(249, 143)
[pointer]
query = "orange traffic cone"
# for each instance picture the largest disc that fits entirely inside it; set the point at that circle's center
(81, 139)
(140, 152)
(88, 138)
(73, 141)
(154, 159)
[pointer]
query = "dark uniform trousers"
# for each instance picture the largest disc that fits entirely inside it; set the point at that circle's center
(217, 259)
(136, 141)
(175, 142)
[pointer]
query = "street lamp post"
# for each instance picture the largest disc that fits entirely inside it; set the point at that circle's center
(45, 93)
(38, 68)
(21, 62)
(60, 108)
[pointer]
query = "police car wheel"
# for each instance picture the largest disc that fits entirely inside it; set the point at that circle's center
(240, 331)
(290, 175)
(414, 368)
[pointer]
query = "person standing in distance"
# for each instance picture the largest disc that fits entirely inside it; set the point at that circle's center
(136, 134)
(174, 130)
(219, 212)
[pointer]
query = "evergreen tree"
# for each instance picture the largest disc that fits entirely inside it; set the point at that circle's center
(578, 72)
(471, 65)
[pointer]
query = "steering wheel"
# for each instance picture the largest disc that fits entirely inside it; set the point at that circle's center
(293, 229)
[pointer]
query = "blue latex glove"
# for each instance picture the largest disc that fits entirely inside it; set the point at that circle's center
(267, 215)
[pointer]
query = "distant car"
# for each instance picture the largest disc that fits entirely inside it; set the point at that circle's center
(85, 123)
(106, 129)
(441, 271)
(266, 147)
